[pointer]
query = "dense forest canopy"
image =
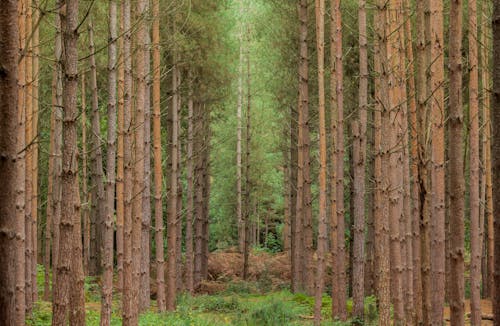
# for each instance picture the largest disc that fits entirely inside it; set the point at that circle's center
(253, 162)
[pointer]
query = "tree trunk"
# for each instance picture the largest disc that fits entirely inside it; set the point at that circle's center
(414, 172)
(299, 258)
(128, 300)
(158, 176)
(495, 154)
(423, 60)
(239, 203)
(338, 228)
(20, 245)
(97, 175)
(69, 267)
(120, 191)
(198, 183)
(144, 289)
(178, 194)
(486, 82)
(34, 150)
(322, 226)
(172, 213)
(359, 158)
(456, 178)
(85, 193)
(11, 193)
(475, 272)
(107, 278)
(437, 233)
(190, 193)
(28, 102)
(141, 75)
(381, 220)
(248, 183)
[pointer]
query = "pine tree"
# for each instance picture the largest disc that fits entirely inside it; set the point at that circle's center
(457, 182)
(8, 167)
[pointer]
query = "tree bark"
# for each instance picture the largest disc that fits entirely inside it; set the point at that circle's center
(158, 176)
(381, 220)
(248, 182)
(437, 233)
(107, 278)
(338, 224)
(239, 203)
(68, 267)
(98, 209)
(322, 226)
(359, 158)
(28, 102)
(10, 195)
(120, 191)
(190, 192)
(128, 316)
(20, 245)
(456, 178)
(476, 251)
(172, 214)
(495, 154)
(141, 75)
(144, 289)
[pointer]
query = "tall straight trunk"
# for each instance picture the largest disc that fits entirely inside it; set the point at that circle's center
(392, 116)
(437, 233)
(476, 250)
(190, 193)
(248, 182)
(34, 169)
(58, 142)
(20, 246)
(128, 302)
(293, 191)
(303, 104)
(178, 194)
(8, 164)
(414, 172)
(370, 276)
(158, 176)
(456, 180)
(198, 188)
(144, 289)
(406, 222)
(380, 205)
(359, 158)
(68, 269)
(28, 102)
(50, 193)
(206, 187)
(85, 192)
(97, 175)
(172, 213)
(423, 59)
(141, 73)
(287, 168)
(120, 201)
(486, 82)
(338, 224)
(495, 155)
(107, 278)
(239, 203)
(322, 227)
(307, 222)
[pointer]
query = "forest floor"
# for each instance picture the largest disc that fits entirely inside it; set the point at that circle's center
(225, 299)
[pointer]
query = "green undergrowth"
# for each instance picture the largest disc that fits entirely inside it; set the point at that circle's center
(239, 305)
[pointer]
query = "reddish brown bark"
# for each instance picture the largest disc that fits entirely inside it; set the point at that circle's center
(8, 166)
